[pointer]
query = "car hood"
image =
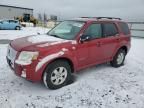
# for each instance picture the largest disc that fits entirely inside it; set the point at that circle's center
(35, 42)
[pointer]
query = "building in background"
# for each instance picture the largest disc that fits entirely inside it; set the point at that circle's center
(11, 12)
(53, 17)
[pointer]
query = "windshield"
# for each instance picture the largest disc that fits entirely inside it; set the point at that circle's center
(67, 29)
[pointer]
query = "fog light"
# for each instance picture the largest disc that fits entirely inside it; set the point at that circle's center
(23, 74)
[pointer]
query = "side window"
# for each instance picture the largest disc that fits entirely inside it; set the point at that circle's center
(109, 29)
(124, 27)
(11, 21)
(5, 22)
(94, 31)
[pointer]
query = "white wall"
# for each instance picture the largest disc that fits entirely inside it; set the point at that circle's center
(10, 12)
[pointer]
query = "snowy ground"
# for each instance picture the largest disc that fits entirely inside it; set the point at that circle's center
(100, 86)
(12, 34)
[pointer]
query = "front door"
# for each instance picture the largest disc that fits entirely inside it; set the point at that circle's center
(95, 53)
(82, 54)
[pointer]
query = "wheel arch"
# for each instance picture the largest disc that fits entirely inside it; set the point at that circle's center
(121, 47)
(17, 26)
(64, 59)
(124, 48)
(60, 58)
(67, 60)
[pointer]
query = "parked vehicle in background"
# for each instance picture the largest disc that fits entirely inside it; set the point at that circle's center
(69, 47)
(10, 25)
(27, 24)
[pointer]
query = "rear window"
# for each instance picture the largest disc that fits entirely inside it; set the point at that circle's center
(124, 27)
(109, 29)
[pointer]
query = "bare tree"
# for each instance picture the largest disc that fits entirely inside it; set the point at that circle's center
(40, 16)
(45, 19)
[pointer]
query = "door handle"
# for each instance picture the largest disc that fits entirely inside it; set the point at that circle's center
(118, 39)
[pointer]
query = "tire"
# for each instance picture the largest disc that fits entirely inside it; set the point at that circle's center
(17, 28)
(57, 74)
(118, 59)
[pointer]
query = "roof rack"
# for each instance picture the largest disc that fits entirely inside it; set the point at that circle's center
(103, 18)
(108, 18)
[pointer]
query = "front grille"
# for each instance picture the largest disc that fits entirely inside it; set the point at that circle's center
(11, 55)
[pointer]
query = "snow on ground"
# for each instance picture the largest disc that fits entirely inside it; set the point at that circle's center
(27, 31)
(100, 86)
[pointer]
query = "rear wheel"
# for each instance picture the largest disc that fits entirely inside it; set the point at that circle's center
(119, 58)
(57, 74)
(17, 28)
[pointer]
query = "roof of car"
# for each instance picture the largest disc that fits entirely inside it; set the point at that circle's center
(8, 20)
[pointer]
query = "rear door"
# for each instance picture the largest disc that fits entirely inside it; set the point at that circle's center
(110, 41)
(12, 24)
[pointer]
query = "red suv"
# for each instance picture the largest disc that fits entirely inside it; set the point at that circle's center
(70, 46)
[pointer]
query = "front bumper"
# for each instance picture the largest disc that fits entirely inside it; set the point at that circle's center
(27, 72)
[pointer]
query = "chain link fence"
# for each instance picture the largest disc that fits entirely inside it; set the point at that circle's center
(137, 29)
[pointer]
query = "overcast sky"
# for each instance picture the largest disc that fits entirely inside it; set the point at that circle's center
(127, 9)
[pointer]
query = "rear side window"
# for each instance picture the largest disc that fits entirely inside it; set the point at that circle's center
(109, 29)
(124, 27)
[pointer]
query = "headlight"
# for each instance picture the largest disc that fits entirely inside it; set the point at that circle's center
(26, 57)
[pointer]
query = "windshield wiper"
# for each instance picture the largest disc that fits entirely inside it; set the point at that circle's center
(55, 36)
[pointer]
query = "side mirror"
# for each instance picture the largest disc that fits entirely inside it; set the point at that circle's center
(84, 38)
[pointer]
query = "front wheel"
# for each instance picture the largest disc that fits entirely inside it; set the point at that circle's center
(119, 58)
(57, 74)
